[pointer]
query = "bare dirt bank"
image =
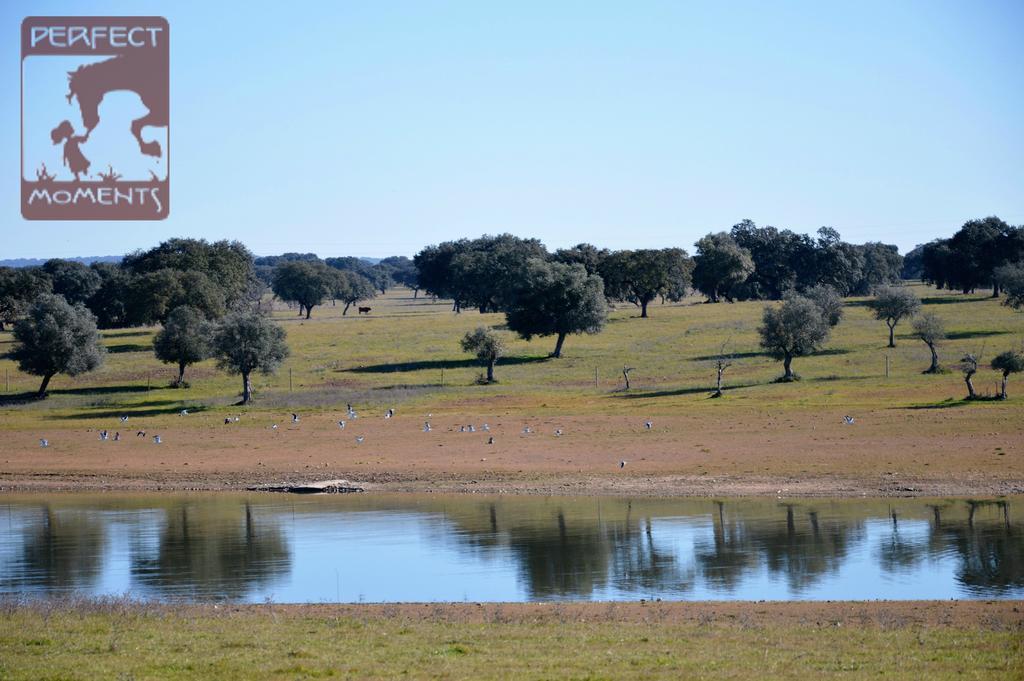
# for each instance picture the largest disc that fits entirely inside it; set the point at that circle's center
(550, 485)
(885, 453)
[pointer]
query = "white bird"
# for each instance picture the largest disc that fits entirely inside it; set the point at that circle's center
(184, 412)
(227, 421)
(341, 424)
(124, 419)
(462, 429)
(156, 439)
(486, 428)
(472, 429)
(558, 432)
(526, 430)
(359, 439)
(622, 464)
(44, 442)
(648, 425)
(235, 419)
(426, 426)
(273, 427)
(848, 420)
(295, 418)
(389, 414)
(103, 435)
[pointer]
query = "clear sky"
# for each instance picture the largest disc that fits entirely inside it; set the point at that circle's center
(375, 128)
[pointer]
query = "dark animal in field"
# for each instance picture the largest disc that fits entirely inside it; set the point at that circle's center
(365, 310)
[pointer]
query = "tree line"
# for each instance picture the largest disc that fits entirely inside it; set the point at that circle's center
(985, 254)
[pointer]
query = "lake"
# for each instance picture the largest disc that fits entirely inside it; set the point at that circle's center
(376, 548)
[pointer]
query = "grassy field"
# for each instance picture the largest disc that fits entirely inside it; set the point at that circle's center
(583, 641)
(405, 355)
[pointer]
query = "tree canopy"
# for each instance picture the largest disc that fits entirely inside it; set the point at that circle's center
(720, 266)
(304, 282)
(797, 327)
(185, 339)
(557, 299)
(246, 342)
(930, 328)
(487, 345)
(642, 275)
(56, 337)
(892, 304)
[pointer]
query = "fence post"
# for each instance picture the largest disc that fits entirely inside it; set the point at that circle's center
(887, 365)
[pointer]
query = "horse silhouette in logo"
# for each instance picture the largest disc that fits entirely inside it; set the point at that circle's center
(90, 82)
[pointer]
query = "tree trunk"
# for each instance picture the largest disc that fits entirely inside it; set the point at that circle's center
(718, 383)
(181, 374)
(490, 370)
(970, 385)
(246, 389)
(558, 346)
(309, 311)
(995, 290)
(2, 327)
(415, 293)
(892, 336)
(345, 311)
(301, 309)
(1002, 392)
(934, 368)
(643, 307)
(47, 377)
(787, 363)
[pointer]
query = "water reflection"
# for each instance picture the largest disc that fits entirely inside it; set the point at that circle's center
(455, 548)
(203, 550)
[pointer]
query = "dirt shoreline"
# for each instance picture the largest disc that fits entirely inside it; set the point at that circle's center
(541, 485)
(1005, 615)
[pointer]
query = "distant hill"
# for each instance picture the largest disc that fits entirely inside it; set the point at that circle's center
(35, 262)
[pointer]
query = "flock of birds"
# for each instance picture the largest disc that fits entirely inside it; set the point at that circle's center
(352, 415)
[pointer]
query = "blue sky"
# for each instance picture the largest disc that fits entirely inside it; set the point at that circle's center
(375, 128)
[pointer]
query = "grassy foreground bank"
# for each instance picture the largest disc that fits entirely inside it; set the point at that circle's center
(892, 640)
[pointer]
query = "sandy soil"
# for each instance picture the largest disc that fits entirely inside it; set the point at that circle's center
(888, 452)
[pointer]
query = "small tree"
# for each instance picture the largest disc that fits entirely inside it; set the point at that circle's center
(969, 366)
(303, 282)
(486, 345)
(185, 339)
(247, 342)
(1011, 279)
(720, 265)
(57, 338)
(1009, 362)
(351, 287)
(930, 329)
(828, 300)
(893, 303)
(796, 328)
(556, 299)
(722, 362)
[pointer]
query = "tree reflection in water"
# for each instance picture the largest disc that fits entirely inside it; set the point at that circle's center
(61, 550)
(209, 550)
(202, 547)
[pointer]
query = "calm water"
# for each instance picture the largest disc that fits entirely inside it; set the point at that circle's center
(434, 548)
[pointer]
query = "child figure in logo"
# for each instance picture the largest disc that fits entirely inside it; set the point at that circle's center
(74, 159)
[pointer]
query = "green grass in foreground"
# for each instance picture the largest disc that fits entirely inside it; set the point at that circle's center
(264, 643)
(401, 354)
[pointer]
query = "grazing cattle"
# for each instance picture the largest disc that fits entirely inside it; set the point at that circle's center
(365, 310)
